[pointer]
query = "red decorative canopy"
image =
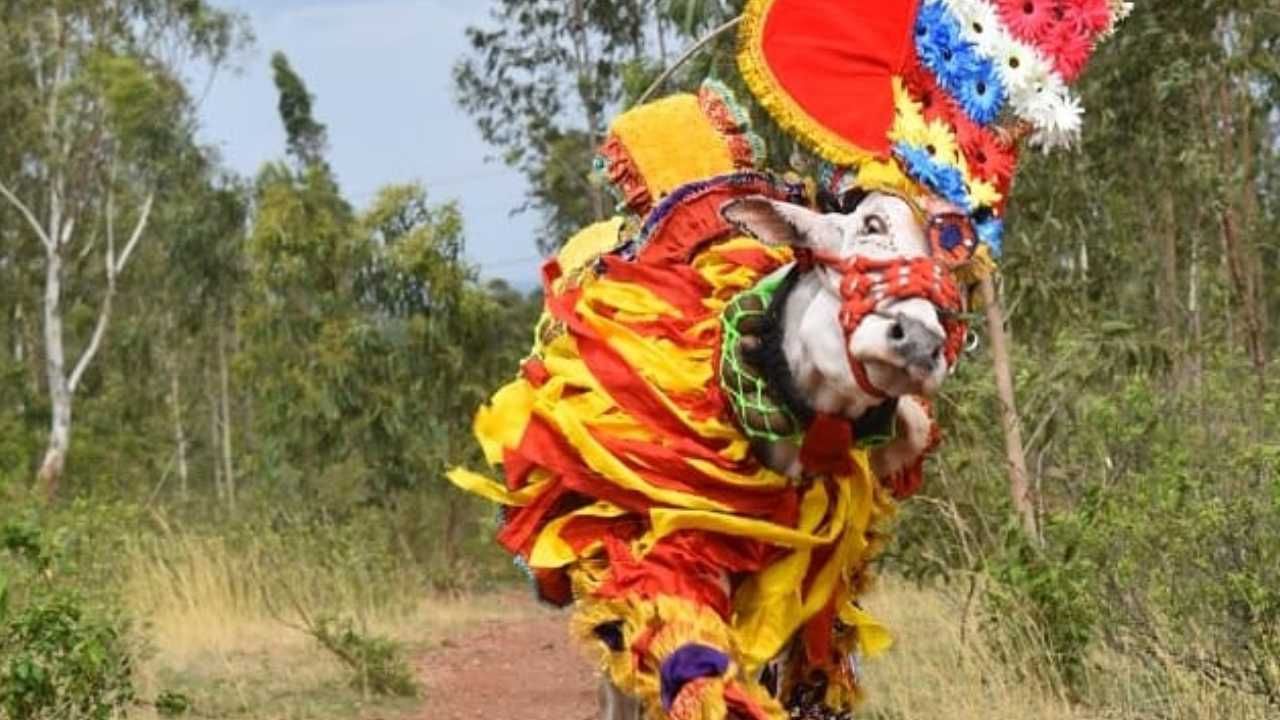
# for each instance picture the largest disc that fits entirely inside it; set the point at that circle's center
(825, 69)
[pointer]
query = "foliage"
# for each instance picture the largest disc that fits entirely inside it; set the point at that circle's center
(61, 664)
(1141, 322)
(306, 137)
(59, 657)
(172, 704)
(100, 123)
(377, 663)
(540, 84)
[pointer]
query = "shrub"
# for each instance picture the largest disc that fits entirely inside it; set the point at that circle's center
(1159, 507)
(172, 704)
(377, 663)
(58, 661)
(60, 657)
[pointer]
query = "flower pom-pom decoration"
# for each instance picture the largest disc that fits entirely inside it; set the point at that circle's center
(991, 233)
(980, 23)
(944, 180)
(938, 38)
(1021, 68)
(1028, 20)
(1091, 17)
(982, 94)
(923, 88)
(1070, 48)
(987, 156)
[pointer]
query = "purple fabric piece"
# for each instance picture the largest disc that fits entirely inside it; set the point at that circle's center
(690, 662)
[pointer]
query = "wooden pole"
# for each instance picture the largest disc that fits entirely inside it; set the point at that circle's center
(1016, 458)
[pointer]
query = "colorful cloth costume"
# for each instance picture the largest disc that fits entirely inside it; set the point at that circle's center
(631, 489)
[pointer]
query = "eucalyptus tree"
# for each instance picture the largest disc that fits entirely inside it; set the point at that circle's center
(1165, 219)
(307, 137)
(541, 80)
(202, 274)
(98, 105)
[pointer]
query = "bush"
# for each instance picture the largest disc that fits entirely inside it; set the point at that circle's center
(58, 661)
(59, 656)
(1159, 507)
(172, 704)
(377, 664)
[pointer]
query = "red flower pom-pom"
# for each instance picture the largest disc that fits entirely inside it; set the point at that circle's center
(1069, 48)
(1091, 17)
(986, 156)
(1028, 20)
(923, 87)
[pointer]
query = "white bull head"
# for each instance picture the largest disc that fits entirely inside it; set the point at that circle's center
(898, 348)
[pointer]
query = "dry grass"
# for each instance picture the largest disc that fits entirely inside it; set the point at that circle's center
(220, 619)
(944, 665)
(223, 627)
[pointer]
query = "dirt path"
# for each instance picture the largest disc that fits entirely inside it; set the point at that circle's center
(509, 670)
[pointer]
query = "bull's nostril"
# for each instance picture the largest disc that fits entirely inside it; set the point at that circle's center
(896, 332)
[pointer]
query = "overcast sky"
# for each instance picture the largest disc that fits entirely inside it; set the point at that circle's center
(380, 71)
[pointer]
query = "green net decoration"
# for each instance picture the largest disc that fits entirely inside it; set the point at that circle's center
(759, 415)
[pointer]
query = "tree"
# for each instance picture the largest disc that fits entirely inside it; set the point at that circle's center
(307, 138)
(544, 77)
(202, 266)
(99, 109)
(540, 86)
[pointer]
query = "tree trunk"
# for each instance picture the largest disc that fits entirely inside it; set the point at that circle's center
(55, 456)
(1239, 272)
(214, 438)
(1167, 285)
(224, 403)
(179, 431)
(17, 332)
(1019, 487)
(1234, 221)
(661, 32)
(1197, 328)
(586, 84)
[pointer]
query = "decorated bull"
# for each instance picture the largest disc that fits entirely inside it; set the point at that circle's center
(727, 393)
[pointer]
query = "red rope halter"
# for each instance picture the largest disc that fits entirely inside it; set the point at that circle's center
(866, 283)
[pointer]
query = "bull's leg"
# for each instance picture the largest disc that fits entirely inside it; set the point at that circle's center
(616, 705)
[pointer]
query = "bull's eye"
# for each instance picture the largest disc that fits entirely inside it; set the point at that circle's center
(874, 225)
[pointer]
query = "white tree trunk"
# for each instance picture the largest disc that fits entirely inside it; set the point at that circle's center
(18, 330)
(55, 455)
(179, 430)
(55, 236)
(224, 401)
(215, 439)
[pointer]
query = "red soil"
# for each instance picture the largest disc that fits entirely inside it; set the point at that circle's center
(522, 670)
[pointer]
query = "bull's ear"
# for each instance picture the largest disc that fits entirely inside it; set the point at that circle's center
(776, 223)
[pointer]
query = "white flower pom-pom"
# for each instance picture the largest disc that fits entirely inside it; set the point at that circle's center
(980, 24)
(1058, 116)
